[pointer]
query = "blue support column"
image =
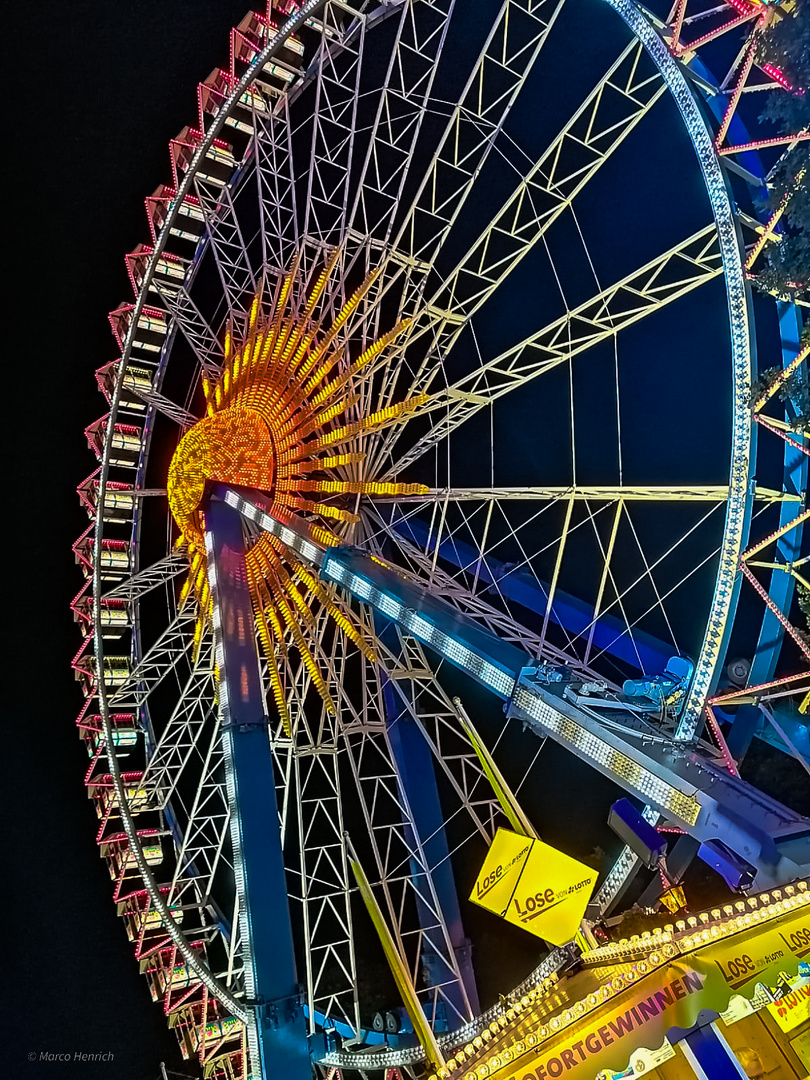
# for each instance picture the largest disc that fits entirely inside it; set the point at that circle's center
(416, 771)
(644, 651)
(710, 1055)
(278, 1041)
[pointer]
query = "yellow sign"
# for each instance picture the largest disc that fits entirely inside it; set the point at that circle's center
(794, 1008)
(674, 899)
(760, 953)
(532, 885)
(670, 996)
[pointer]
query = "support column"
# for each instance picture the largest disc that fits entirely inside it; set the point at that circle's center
(710, 1055)
(277, 1038)
(417, 775)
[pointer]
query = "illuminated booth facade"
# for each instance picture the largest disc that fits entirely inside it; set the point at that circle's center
(720, 995)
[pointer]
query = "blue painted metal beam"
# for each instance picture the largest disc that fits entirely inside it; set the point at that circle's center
(416, 770)
(680, 782)
(278, 1039)
(643, 651)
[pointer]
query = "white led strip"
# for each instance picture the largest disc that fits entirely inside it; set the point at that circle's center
(495, 678)
(294, 540)
(606, 757)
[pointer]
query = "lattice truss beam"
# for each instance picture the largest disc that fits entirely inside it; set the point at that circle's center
(398, 870)
(276, 186)
(311, 763)
(308, 764)
(386, 151)
(421, 696)
(332, 137)
(664, 279)
(487, 527)
(505, 60)
(158, 661)
(150, 577)
(228, 244)
(197, 331)
(183, 779)
(547, 187)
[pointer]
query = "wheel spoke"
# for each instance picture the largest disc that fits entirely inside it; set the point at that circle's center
(173, 644)
(142, 582)
(690, 264)
(580, 493)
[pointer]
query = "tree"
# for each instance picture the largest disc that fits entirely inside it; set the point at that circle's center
(785, 44)
(793, 390)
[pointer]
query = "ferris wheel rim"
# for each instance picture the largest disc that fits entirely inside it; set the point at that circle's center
(620, 6)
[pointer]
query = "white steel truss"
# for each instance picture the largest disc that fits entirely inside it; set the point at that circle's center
(158, 661)
(401, 874)
(661, 281)
(228, 245)
(151, 577)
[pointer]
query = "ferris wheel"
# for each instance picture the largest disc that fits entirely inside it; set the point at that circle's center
(435, 382)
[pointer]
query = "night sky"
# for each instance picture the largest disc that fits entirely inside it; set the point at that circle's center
(97, 90)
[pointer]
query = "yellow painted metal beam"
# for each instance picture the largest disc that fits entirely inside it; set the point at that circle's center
(506, 797)
(647, 493)
(399, 970)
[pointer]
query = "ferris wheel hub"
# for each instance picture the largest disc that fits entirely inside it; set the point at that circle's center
(233, 446)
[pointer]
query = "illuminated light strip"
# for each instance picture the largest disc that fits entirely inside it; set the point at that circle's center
(230, 779)
(299, 544)
(216, 620)
(761, 144)
(731, 108)
(760, 419)
(777, 75)
(589, 746)
(731, 764)
(739, 496)
(498, 680)
(693, 45)
(776, 535)
(776, 611)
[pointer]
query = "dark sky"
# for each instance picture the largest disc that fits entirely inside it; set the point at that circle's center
(95, 92)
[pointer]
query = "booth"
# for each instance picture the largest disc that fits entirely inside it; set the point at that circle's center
(719, 995)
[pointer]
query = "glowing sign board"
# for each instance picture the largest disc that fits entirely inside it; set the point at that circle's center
(534, 886)
(793, 1008)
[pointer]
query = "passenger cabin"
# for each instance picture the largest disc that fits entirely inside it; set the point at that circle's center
(141, 919)
(119, 502)
(169, 271)
(125, 730)
(121, 859)
(116, 670)
(150, 328)
(125, 445)
(135, 388)
(190, 221)
(114, 615)
(218, 165)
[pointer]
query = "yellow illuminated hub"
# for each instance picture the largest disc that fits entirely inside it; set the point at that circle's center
(282, 418)
(231, 447)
